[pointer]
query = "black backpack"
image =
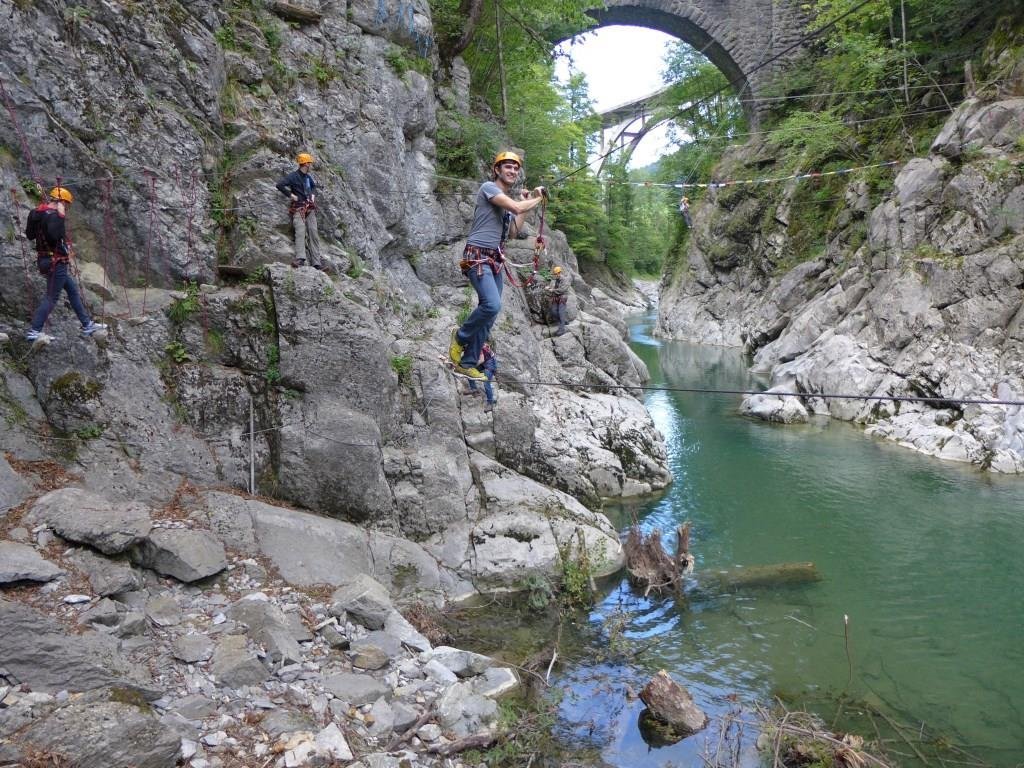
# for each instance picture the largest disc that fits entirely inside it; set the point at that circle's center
(35, 230)
(32, 229)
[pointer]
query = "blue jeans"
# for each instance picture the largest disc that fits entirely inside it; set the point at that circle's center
(474, 332)
(60, 278)
(488, 389)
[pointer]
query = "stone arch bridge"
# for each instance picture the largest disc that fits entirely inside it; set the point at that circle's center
(737, 36)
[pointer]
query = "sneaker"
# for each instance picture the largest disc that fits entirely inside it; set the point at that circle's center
(470, 373)
(455, 348)
(39, 337)
(91, 328)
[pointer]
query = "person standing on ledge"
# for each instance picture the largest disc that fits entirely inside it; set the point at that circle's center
(53, 258)
(558, 291)
(495, 217)
(300, 188)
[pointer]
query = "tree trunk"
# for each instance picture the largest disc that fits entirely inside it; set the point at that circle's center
(501, 64)
(470, 10)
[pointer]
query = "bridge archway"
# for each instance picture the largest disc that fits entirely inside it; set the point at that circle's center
(737, 36)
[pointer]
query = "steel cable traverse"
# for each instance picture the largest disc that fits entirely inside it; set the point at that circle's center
(810, 395)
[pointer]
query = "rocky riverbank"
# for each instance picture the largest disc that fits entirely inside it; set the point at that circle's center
(152, 640)
(921, 294)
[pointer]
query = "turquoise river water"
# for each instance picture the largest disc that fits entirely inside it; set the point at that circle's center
(926, 558)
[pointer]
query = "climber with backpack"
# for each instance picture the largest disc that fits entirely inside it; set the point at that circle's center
(46, 227)
(495, 216)
(299, 187)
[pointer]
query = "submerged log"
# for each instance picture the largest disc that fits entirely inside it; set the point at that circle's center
(756, 576)
(651, 568)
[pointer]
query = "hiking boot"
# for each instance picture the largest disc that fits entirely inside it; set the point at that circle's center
(470, 373)
(91, 328)
(489, 407)
(455, 348)
(38, 337)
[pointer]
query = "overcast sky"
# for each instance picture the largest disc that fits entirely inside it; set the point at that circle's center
(621, 64)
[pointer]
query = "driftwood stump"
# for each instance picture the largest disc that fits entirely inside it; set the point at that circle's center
(653, 569)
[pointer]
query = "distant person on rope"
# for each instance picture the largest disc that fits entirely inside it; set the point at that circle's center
(488, 363)
(684, 209)
(558, 292)
(495, 217)
(53, 258)
(300, 187)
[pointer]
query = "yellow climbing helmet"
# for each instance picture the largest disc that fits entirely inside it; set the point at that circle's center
(62, 194)
(556, 271)
(303, 158)
(503, 156)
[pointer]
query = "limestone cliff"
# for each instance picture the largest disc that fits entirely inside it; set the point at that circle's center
(172, 121)
(917, 292)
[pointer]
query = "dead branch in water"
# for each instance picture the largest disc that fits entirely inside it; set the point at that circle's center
(650, 567)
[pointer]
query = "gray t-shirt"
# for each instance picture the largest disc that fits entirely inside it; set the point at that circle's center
(490, 223)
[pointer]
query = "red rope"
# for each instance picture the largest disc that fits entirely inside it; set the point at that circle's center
(151, 179)
(190, 205)
(17, 233)
(110, 239)
(21, 135)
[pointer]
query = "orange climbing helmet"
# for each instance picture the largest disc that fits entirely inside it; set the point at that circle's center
(61, 195)
(503, 156)
(303, 158)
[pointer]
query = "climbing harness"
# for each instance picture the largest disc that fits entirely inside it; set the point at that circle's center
(303, 207)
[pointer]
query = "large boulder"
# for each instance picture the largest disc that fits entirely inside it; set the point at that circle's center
(87, 518)
(104, 730)
(524, 531)
(37, 651)
(20, 562)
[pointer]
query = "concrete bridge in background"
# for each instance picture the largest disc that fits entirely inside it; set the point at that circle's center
(750, 41)
(740, 37)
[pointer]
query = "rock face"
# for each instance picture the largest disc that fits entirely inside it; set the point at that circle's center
(353, 417)
(921, 294)
(319, 393)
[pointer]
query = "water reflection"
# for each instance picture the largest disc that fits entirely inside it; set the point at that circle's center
(923, 556)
